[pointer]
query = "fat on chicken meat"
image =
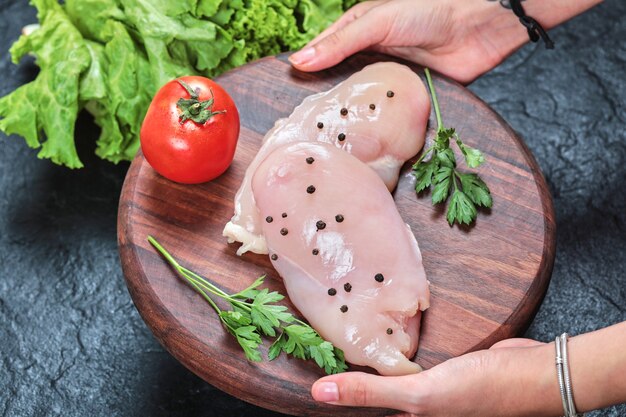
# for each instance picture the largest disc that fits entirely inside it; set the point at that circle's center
(378, 114)
(349, 263)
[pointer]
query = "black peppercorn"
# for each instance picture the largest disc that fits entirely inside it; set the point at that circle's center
(347, 286)
(379, 277)
(390, 94)
(320, 225)
(343, 308)
(315, 252)
(372, 106)
(284, 231)
(344, 111)
(274, 257)
(332, 291)
(339, 218)
(269, 219)
(310, 189)
(320, 125)
(284, 215)
(390, 331)
(310, 160)
(341, 137)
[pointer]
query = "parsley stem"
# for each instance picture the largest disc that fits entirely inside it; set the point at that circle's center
(205, 286)
(214, 289)
(205, 296)
(454, 179)
(163, 252)
(296, 320)
(434, 96)
(424, 154)
(197, 282)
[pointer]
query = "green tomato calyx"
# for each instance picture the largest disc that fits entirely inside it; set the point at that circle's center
(194, 109)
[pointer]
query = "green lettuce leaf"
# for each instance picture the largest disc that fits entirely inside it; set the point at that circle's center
(111, 56)
(50, 103)
(316, 16)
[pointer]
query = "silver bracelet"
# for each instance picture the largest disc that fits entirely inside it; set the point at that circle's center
(563, 375)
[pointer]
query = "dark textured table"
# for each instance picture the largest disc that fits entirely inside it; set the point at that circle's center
(73, 344)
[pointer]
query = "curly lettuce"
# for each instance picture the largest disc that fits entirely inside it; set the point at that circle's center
(109, 57)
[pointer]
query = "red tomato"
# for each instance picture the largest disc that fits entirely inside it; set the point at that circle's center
(185, 136)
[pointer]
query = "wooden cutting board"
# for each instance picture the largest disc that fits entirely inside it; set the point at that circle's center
(487, 281)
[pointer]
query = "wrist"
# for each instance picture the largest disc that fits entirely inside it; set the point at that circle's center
(530, 373)
(495, 28)
(499, 31)
(551, 13)
(597, 363)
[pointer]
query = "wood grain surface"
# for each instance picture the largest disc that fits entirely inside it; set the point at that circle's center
(487, 281)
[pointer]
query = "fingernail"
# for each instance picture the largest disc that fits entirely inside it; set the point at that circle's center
(327, 392)
(303, 56)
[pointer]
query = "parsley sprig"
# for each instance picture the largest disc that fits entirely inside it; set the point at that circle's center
(468, 190)
(254, 313)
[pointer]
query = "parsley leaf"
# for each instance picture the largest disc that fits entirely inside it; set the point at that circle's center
(276, 347)
(249, 340)
(305, 343)
(251, 291)
(461, 209)
(255, 313)
(341, 363)
(473, 157)
(268, 316)
(234, 319)
(238, 324)
(424, 173)
(443, 137)
(446, 158)
(441, 172)
(299, 338)
(476, 190)
(443, 179)
(323, 353)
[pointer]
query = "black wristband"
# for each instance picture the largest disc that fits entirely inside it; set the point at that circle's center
(535, 30)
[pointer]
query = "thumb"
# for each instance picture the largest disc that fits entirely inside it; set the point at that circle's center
(355, 36)
(366, 390)
(516, 343)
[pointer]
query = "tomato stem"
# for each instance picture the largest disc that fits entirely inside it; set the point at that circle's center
(194, 109)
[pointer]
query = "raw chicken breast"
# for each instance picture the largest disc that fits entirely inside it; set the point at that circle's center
(379, 115)
(349, 262)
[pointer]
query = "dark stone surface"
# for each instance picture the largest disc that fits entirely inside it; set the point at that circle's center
(73, 344)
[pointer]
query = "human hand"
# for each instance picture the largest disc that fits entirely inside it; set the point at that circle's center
(451, 37)
(515, 377)
(461, 39)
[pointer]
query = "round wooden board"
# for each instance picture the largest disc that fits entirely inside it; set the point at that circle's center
(487, 281)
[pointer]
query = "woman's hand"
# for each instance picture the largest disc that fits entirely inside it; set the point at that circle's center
(516, 377)
(441, 35)
(461, 39)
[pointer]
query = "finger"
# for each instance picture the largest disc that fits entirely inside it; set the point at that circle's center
(359, 34)
(366, 390)
(349, 16)
(515, 343)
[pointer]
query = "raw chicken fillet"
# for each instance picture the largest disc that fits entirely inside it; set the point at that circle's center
(378, 114)
(350, 264)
